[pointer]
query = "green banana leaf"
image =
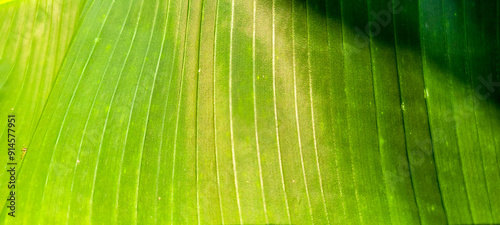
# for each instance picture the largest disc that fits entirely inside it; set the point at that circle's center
(251, 112)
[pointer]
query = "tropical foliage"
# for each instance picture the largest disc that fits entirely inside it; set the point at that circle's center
(252, 112)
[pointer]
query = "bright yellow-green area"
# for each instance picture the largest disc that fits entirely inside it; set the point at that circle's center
(35, 36)
(4, 1)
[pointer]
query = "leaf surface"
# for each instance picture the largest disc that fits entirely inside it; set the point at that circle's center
(254, 112)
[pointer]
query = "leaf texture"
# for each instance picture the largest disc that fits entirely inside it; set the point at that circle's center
(254, 112)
